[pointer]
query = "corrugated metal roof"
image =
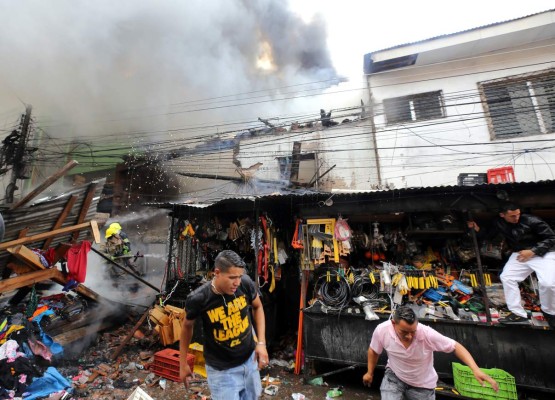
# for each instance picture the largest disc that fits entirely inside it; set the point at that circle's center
(41, 215)
(460, 32)
(299, 193)
(252, 191)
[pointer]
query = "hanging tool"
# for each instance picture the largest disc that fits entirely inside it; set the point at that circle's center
(264, 249)
(297, 242)
(473, 281)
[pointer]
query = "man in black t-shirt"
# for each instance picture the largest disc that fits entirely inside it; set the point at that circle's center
(233, 357)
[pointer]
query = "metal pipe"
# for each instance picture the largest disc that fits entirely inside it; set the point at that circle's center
(332, 372)
(125, 269)
(480, 270)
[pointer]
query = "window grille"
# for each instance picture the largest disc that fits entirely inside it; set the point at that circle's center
(520, 106)
(416, 107)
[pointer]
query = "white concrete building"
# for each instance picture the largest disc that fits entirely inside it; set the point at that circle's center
(305, 153)
(465, 103)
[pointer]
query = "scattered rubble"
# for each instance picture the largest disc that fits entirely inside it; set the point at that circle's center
(129, 361)
(94, 375)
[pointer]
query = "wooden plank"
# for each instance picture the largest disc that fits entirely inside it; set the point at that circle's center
(141, 320)
(19, 269)
(295, 162)
(68, 229)
(49, 181)
(27, 279)
(61, 218)
(60, 252)
(95, 231)
(84, 291)
(26, 255)
(72, 335)
(23, 232)
(85, 208)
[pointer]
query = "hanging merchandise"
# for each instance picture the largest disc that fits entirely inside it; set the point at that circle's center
(377, 238)
(342, 230)
(316, 244)
(277, 259)
(297, 242)
(234, 232)
(263, 246)
(492, 250)
(186, 230)
(326, 236)
(270, 253)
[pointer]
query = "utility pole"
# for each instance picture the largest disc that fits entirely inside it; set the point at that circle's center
(19, 162)
(373, 129)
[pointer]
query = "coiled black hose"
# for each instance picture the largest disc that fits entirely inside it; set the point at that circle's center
(336, 293)
(363, 286)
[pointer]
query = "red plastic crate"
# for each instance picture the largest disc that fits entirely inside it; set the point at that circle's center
(501, 175)
(166, 363)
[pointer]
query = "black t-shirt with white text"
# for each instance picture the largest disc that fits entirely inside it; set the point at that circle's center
(228, 331)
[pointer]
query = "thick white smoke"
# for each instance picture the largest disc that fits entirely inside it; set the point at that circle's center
(99, 67)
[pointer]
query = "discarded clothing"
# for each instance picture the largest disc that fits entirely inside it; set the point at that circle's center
(40, 312)
(9, 351)
(70, 285)
(40, 349)
(42, 259)
(51, 382)
(4, 336)
(11, 374)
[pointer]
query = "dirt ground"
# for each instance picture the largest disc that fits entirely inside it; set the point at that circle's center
(288, 385)
(94, 375)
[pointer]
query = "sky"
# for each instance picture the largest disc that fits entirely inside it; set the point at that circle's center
(144, 71)
(357, 27)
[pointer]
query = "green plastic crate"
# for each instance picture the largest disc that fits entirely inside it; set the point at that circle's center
(468, 386)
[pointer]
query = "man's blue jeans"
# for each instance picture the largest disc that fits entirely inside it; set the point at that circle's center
(237, 383)
(392, 388)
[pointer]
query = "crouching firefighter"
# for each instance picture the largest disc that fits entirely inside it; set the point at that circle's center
(118, 246)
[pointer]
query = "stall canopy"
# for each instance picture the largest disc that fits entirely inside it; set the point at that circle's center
(478, 198)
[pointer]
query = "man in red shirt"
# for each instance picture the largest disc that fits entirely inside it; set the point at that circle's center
(410, 347)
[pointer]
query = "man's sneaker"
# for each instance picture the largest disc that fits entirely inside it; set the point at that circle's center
(514, 319)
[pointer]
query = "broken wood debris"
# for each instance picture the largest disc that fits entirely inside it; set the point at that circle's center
(31, 259)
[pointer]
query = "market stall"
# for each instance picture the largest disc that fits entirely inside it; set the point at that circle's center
(524, 352)
(414, 248)
(351, 258)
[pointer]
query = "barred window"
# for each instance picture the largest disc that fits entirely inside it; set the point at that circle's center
(520, 106)
(416, 107)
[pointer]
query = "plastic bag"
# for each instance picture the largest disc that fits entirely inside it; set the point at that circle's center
(342, 230)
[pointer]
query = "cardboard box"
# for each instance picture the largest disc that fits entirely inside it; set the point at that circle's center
(168, 320)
